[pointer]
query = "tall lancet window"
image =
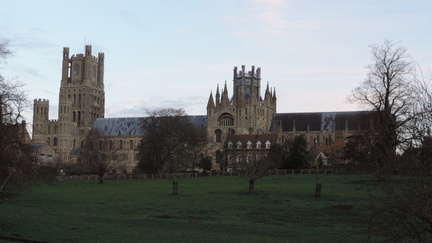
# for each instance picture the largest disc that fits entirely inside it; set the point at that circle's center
(76, 69)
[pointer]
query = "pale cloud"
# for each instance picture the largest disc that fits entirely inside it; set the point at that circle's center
(131, 18)
(180, 30)
(269, 17)
(271, 14)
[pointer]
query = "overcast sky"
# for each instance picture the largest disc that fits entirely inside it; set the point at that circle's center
(161, 54)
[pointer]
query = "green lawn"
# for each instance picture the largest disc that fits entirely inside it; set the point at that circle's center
(208, 209)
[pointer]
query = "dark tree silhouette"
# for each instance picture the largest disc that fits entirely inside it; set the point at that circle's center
(297, 156)
(388, 90)
(98, 155)
(17, 166)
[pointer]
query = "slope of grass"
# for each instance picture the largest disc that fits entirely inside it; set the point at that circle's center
(210, 209)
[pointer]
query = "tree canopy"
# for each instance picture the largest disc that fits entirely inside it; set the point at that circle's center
(17, 166)
(170, 142)
(389, 90)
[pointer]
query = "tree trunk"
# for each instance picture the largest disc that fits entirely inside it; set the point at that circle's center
(101, 179)
(318, 189)
(251, 186)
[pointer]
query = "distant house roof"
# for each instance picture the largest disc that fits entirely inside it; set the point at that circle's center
(18, 131)
(131, 126)
(325, 121)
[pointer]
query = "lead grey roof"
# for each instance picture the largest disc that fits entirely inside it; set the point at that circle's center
(322, 121)
(131, 126)
(35, 146)
(113, 127)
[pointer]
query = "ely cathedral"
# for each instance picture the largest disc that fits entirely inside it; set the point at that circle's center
(246, 118)
(81, 102)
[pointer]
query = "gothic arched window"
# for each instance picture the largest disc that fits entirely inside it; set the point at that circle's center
(218, 134)
(218, 156)
(226, 120)
(76, 69)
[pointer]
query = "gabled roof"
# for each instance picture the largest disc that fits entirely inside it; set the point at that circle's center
(131, 126)
(322, 121)
(17, 131)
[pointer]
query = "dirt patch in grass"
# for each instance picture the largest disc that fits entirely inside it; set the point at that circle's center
(165, 216)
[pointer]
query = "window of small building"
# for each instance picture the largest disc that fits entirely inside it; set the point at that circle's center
(230, 145)
(239, 158)
(258, 145)
(131, 145)
(249, 145)
(268, 144)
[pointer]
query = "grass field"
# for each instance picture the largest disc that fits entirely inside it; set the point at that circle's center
(207, 209)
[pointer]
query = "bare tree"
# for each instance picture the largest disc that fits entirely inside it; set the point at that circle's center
(399, 144)
(389, 91)
(4, 49)
(195, 141)
(17, 167)
(171, 142)
(98, 154)
(258, 166)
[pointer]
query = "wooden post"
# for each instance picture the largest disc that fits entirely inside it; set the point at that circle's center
(175, 187)
(318, 189)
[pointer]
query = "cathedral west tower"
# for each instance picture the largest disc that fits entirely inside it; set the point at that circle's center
(81, 101)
